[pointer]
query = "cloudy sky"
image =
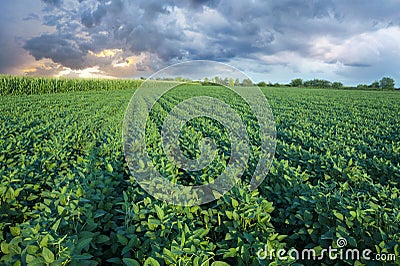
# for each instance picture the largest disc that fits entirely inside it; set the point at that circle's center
(349, 41)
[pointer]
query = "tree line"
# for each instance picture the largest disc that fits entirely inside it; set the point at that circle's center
(386, 83)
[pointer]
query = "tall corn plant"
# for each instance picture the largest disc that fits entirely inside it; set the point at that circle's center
(13, 85)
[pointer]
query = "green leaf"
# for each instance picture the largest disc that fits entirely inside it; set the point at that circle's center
(183, 239)
(4, 247)
(37, 262)
(169, 256)
(110, 168)
(82, 257)
(102, 239)
(15, 230)
(230, 254)
(125, 196)
(141, 164)
(114, 260)
(29, 258)
(235, 203)
(352, 241)
(17, 191)
(43, 242)
(160, 212)
(32, 249)
(60, 209)
(228, 236)
(338, 215)
(130, 245)
(196, 261)
(219, 263)
(308, 216)
(56, 225)
(47, 255)
(151, 262)
(130, 262)
(14, 249)
(99, 213)
(153, 223)
(121, 239)
(83, 243)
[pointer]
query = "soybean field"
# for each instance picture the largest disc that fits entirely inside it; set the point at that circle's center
(67, 196)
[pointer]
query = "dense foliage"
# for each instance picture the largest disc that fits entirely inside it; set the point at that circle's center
(66, 195)
(13, 85)
(386, 83)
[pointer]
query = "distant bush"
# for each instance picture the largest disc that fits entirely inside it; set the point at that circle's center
(318, 83)
(262, 84)
(296, 82)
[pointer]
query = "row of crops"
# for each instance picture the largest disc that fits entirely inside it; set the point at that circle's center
(14, 85)
(67, 197)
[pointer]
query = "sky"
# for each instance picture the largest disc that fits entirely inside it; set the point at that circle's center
(275, 41)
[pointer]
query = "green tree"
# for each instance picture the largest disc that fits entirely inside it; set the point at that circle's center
(296, 82)
(362, 86)
(386, 83)
(337, 85)
(318, 83)
(231, 82)
(237, 82)
(374, 85)
(262, 84)
(247, 82)
(217, 80)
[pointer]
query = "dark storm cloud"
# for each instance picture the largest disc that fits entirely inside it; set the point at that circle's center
(52, 20)
(222, 30)
(93, 18)
(197, 4)
(152, 8)
(62, 49)
(358, 65)
(200, 2)
(53, 2)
